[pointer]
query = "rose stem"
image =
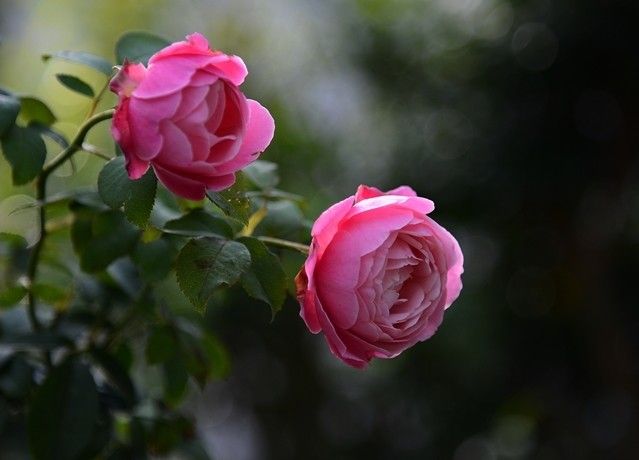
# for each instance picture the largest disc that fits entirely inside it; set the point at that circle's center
(285, 244)
(41, 195)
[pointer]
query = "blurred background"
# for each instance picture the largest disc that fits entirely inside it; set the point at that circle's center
(520, 119)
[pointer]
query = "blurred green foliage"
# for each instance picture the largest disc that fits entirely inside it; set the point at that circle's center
(518, 118)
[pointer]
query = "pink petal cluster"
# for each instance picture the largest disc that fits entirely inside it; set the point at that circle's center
(185, 116)
(379, 275)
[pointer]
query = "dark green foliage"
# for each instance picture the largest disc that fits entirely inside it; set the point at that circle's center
(75, 84)
(199, 223)
(265, 280)
(262, 174)
(9, 109)
(116, 373)
(16, 377)
(33, 110)
(137, 196)
(138, 47)
(233, 201)
(161, 345)
(99, 285)
(63, 413)
(205, 264)
(154, 259)
(9, 297)
(24, 149)
(100, 238)
(81, 57)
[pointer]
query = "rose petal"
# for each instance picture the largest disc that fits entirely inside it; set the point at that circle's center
(217, 183)
(327, 223)
(419, 206)
(336, 344)
(127, 79)
(338, 269)
(454, 260)
(195, 44)
(169, 76)
(306, 299)
(259, 130)
(180, 185)
(177, 146)
(258, 135)
(192, 99)
(144, 120)
(365, 192)
(404, 190)
(135, 167)
(229, 67)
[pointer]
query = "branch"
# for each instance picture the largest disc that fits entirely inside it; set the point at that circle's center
(304, 249)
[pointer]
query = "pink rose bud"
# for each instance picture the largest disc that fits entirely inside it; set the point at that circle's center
(379, 275)
(185, 116)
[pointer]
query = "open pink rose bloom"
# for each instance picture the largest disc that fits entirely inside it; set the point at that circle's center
(379, 275)
(185, 116)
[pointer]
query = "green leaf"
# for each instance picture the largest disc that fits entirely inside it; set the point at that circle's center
(204, 356)
(204, 264)
(154, 259)
(199, 223)
(13, 241)
(124, 273)
(219, 361)
(101, 238)
(113, 237)
(124, 355)
(51, 134)
(102, 434)
(138, 46)
(87, 59)
(33, 110)
(137, 196)
(233, 201)
(11, 296)
(24, 149)
(75, 84)
(175, 379)
(50, 293)
(81, 232)
(167, 433)
(160, 345)
(284, 220)
(116, 373)
(86, 200)
(265, 280)
(140, 203)
(63, 413)
(113, 183)
(262, 173)
(9, 109)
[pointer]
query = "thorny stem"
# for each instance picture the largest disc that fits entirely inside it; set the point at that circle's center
(76, 144)
(304, 249)
(41, 195)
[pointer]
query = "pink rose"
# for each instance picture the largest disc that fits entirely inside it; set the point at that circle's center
(379, 275)
(185, 116)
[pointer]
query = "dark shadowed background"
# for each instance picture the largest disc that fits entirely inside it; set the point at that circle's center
(520, 119)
